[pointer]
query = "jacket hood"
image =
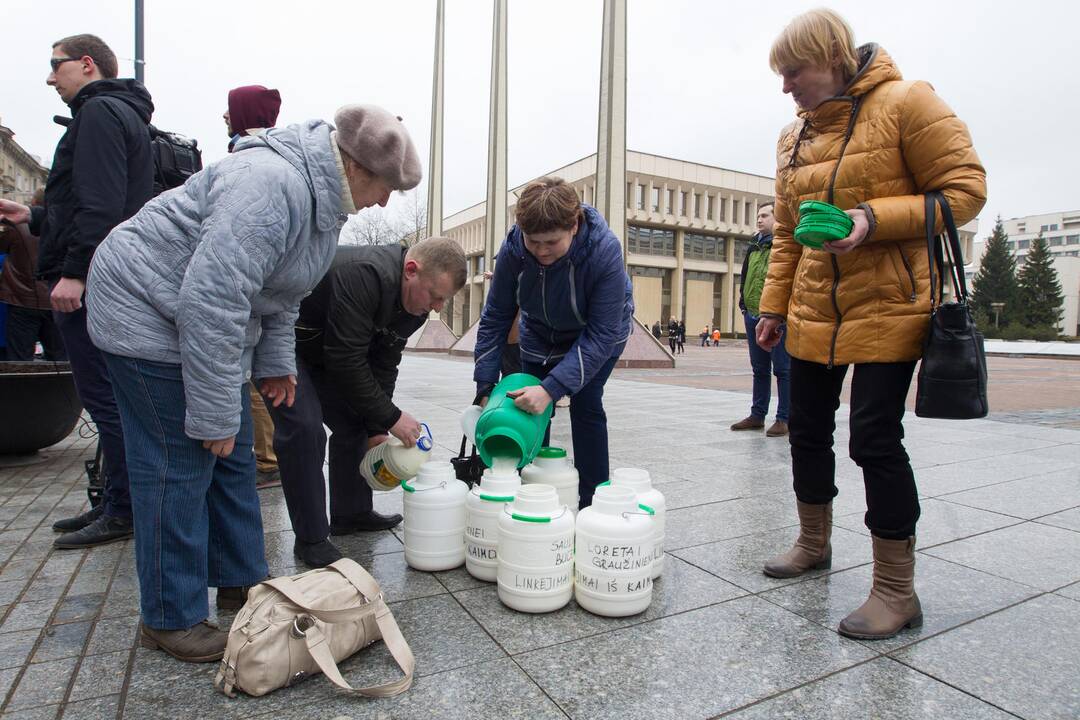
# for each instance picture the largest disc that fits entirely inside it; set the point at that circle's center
(130, 91)
(306, 146)
(875, 67)
(595, 229)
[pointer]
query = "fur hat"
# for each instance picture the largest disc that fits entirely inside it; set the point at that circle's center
(380, 143)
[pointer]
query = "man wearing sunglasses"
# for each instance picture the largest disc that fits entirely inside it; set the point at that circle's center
(102, 173)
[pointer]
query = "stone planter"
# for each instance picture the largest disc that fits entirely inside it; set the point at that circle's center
(39, 405)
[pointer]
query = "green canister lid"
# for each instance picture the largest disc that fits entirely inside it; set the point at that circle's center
(551, 452)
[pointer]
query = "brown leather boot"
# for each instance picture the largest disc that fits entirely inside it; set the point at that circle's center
(893, 604)
(812, 551)
(200, 643)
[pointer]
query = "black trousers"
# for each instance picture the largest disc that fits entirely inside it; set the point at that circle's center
(300, 446)
(25, 327)
(94, 386)
(878, 393)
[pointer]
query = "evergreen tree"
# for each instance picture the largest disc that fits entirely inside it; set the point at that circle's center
(1039, 288)
(996, 280)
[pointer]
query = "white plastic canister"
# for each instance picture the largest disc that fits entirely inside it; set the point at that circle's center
(613, 556)
(483, 507)
(536, 551)
(552, 467)
(434, 524)
(387, 464)
(640, 482)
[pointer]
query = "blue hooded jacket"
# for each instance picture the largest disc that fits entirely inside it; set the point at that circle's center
(575, 313)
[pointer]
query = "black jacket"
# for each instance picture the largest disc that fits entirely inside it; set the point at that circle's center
(354, 326)
(102, 173)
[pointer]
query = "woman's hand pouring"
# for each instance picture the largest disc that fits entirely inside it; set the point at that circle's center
(533, 399)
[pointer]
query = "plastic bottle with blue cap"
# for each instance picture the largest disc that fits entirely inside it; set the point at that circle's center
(390, 462)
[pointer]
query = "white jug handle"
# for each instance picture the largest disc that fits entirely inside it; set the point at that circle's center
(649, 512)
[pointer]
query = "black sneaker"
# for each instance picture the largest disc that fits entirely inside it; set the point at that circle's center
(316, 555)
(102, 531)
(369, 522)
(79, 521)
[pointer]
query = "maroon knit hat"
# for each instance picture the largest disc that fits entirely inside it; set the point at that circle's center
(253, 106)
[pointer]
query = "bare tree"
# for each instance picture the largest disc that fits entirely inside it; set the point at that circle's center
(369, 228)
(412, 219)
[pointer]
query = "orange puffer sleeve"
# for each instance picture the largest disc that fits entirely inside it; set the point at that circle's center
(938, 152)
(784, 258)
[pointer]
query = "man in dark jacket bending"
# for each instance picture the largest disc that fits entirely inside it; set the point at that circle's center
(102, 173)
(350, 335)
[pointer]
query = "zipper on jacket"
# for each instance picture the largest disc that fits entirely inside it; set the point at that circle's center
(855, 103)
(573, 297)
(798, 142)
(543, 303)
(836, 309)
(910, 274)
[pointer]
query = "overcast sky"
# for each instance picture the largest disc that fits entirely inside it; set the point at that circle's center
(699, 85)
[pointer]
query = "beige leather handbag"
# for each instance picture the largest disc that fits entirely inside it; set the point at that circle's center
(294, 627)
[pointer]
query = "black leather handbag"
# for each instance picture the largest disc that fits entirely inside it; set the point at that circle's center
(952, 374)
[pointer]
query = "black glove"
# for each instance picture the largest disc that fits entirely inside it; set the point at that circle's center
(483, 390)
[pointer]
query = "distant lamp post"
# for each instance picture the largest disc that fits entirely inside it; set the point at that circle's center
(997, 308)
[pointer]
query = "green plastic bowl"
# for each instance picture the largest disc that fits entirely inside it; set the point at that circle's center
(822, 210)
(816, 234)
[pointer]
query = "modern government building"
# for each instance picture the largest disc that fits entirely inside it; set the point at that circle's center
(688, 227)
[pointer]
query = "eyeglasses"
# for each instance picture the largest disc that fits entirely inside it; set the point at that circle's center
(55, 63)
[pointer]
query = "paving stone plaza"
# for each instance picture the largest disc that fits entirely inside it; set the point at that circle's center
(998, 572)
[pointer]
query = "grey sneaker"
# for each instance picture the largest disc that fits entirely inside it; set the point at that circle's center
(102, 531)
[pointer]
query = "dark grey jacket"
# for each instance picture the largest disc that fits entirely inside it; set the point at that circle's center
(354, 326)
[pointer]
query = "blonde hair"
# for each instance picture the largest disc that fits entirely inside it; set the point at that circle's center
(818, 39)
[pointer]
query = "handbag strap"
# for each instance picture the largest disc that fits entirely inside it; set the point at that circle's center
(952, 249)
(315, 640)
(395, 643)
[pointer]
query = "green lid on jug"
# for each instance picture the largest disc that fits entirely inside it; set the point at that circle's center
(551, 453)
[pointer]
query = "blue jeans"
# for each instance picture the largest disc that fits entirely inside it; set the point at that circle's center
(588, 428)
(97, 395)
(762, 361)
(197, 517)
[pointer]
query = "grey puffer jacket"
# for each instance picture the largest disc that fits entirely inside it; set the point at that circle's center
(210, 275)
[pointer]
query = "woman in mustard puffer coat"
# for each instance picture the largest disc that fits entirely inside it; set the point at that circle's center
(871, 143)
